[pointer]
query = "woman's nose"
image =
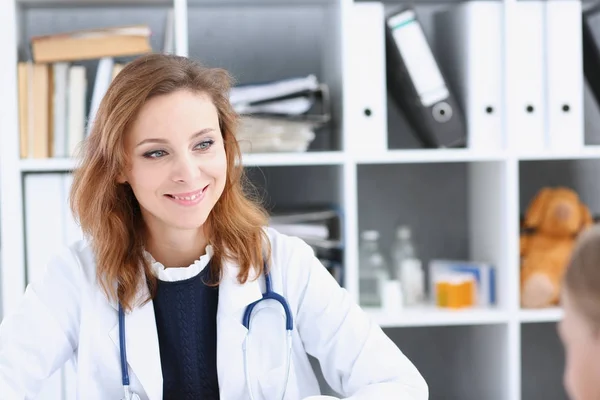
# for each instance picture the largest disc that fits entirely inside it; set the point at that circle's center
(185, 169)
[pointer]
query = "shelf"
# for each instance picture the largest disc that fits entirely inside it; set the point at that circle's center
(249, 160)
(293, 159)
(429, 155)
(258, 3)
(337, 158)
(553, 314)
(431, 316)
(92, 3)
(47, 165)
(467, 155)
(588, 152)
(191, 3)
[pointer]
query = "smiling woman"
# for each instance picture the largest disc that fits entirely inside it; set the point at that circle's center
(180, 288)
(166, 130)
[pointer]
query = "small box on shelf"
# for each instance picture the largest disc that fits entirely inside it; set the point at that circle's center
(462, 284)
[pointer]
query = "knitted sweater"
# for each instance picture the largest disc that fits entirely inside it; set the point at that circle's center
(185, 313)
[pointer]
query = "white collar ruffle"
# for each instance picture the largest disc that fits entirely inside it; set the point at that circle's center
(179, 274)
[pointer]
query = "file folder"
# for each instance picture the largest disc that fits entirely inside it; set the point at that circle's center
(418, 86)
(591, 49)
(43, 206)
(469, 42)
(527, 72)
(366, 94)
(564, 74)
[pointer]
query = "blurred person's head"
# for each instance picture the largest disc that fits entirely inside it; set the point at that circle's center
(161, 158)
(579, 329)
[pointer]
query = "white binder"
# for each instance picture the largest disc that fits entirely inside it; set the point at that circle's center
(469, 40)
(525, 63)
(49, 226)
(564, 68)
(44, 230)
(365, 91)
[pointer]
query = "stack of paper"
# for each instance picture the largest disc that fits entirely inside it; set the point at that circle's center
(320, 226)
(276, 116)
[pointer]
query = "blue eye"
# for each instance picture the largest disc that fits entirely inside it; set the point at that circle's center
(155, 154)
(205, 145)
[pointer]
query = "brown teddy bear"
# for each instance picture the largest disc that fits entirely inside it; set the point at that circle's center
(552, 222)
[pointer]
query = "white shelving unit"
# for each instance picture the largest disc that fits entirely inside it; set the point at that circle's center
(446, 345)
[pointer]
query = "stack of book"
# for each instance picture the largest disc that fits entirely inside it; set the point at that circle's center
(279, 116)
(54, 115)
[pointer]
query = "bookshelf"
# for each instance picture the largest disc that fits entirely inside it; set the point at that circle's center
(462, 203)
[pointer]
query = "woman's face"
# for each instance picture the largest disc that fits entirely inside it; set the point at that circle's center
(177, 162)
(582, 351)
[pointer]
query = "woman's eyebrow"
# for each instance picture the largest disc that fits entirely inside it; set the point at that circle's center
(165, 141)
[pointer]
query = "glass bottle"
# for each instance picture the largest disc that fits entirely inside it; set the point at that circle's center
(373, 270)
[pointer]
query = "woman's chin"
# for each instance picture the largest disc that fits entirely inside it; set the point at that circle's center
(187, 224)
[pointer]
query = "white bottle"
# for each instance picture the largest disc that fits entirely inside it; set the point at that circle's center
(407, 267)
(413, 281)
(392, 298)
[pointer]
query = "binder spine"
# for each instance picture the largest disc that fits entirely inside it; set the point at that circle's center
(366, 93)
(526, 113)
(564, 64)
(418, 86)
(469, 43)
(591, 51)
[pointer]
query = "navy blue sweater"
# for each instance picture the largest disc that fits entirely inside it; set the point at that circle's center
(187, 335)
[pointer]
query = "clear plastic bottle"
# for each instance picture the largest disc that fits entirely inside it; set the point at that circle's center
(373, 270)
(407, 267)
(402, 248)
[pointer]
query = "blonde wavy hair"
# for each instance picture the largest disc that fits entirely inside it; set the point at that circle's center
(108, 211)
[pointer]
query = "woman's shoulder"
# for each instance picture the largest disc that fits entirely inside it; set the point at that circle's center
(75, 258)
(66, 273)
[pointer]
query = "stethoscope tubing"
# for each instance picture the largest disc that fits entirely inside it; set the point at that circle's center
(268, 295)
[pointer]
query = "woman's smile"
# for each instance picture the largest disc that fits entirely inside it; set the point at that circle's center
(188, 199)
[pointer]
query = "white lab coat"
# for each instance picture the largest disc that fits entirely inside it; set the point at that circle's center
(66, 315)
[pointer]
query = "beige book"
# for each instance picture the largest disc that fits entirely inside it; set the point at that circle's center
(92, 44)
(23, 79)
(41, 110)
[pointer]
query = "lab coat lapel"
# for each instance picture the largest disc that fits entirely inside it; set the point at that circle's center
(233, 300)
(143, 352)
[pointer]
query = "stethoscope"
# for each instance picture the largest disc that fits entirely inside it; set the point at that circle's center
(129, 395)
(289, 324)
(268, 295)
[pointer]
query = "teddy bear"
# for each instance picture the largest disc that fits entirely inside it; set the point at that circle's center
(554, 219)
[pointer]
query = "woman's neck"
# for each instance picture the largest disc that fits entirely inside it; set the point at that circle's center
(177, 248)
